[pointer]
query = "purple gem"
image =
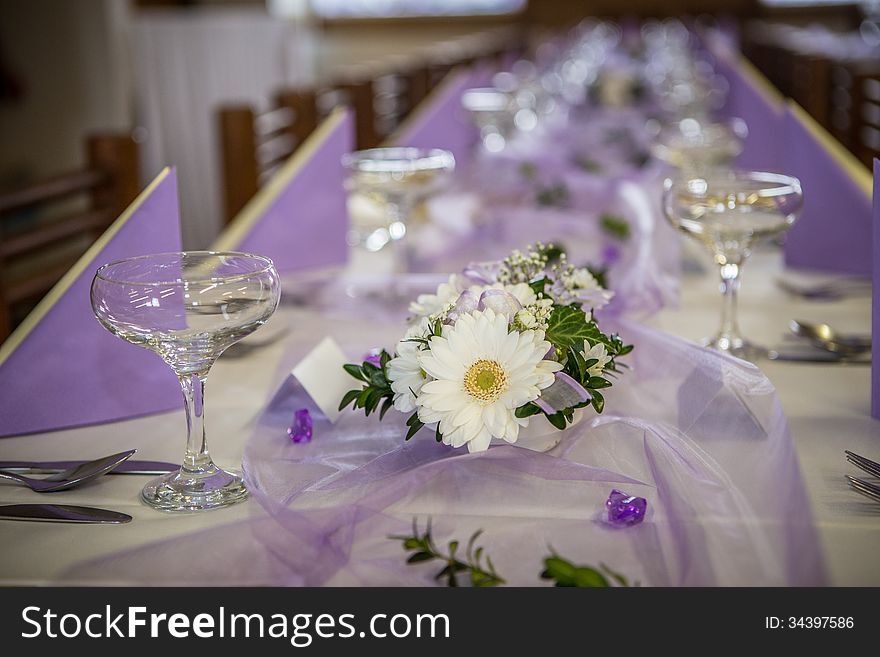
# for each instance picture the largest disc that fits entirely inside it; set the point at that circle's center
(610, 254)
(624, 509)
(301, 429)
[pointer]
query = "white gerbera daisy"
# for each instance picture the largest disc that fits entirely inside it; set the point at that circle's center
(405, 372)
(600, 353)
(481, 374)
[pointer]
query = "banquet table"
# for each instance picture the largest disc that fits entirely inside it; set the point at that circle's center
(827, 406)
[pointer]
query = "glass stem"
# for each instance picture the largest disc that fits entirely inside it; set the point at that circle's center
(729, 289)
(197, 458)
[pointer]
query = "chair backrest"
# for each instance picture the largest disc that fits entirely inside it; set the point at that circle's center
(253, 144)
(865, 119)
(48, 224)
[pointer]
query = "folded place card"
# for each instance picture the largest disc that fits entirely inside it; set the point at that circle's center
(875, 301)
(61, 368)
(439, 121)
(299, 218)
(322, 376)
(834, 229)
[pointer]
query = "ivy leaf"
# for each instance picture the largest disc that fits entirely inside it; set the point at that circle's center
(568, 327)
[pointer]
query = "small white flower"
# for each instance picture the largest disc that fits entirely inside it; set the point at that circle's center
(426, 305)
(405, 372)
(480, 373)
(600, 353)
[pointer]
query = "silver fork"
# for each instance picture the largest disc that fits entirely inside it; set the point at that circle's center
(869, 466)
(865, 488)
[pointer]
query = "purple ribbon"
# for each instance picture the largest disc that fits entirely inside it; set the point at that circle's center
(564, 393)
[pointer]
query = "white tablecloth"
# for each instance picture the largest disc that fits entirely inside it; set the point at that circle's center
(827, 407)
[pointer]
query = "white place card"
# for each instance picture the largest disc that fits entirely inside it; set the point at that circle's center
(323, 378)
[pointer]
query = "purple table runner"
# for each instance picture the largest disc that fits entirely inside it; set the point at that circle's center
(61, 368)
(299, 219)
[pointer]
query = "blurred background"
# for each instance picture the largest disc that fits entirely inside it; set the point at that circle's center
(99, 95)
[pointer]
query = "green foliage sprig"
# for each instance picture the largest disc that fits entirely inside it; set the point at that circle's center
(557, 569)
(615, 226)
(470, 563)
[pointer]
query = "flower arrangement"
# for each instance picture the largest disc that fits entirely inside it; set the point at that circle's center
(492, 348)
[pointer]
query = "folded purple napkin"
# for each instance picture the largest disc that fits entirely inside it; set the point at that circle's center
(61, 368)
(299, 219)
(834, 230)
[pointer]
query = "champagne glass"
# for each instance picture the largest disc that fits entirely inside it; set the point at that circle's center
(396, 179)
(188, 308)
(695, 146)
(493, 112)
(728, 213)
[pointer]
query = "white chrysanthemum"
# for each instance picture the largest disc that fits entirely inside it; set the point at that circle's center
(405, 372)
(600, 353)
(481, 374)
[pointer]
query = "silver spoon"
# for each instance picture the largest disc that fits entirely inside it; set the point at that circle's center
(70, 478)
(825, 337)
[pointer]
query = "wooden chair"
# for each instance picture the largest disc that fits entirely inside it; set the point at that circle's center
(47, 225)
(865, 121)
(254, 144)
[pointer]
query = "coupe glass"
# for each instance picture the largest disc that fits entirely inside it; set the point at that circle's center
(696, 147)
(188, 308)
(395, 179)
(728, 213)
(493, 111)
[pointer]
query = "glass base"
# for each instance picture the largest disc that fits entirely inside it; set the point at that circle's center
(208, 489)
(736, 346)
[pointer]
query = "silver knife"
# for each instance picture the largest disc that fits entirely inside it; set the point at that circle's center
(62, 513)
(126, 467)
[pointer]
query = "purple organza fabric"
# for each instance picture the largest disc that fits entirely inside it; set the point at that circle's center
(700, 435)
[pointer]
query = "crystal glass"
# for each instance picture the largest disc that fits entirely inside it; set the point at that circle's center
(696, 147)
(728, 213)
(188, 308)
(493, 111)
(396, 180)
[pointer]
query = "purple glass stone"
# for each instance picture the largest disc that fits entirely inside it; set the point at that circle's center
(301, 429)
(624, 509)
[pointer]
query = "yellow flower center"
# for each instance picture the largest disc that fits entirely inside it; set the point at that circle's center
(485, 381)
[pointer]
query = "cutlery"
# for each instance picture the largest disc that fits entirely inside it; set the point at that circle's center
(817, 357)
(864, 487)
(825, 337)
(72, 477)
(867, 465)
(62, 513)
(130, 466)
(831, 290)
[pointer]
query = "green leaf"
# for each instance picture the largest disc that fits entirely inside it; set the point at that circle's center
(389, 401)
(419, 556)
(355, 371)
(348, 398)
(414, 429)
(568, 327)
(527, 410)
(598, 401)
(557, 420)
(597, 382)
(616, 227)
